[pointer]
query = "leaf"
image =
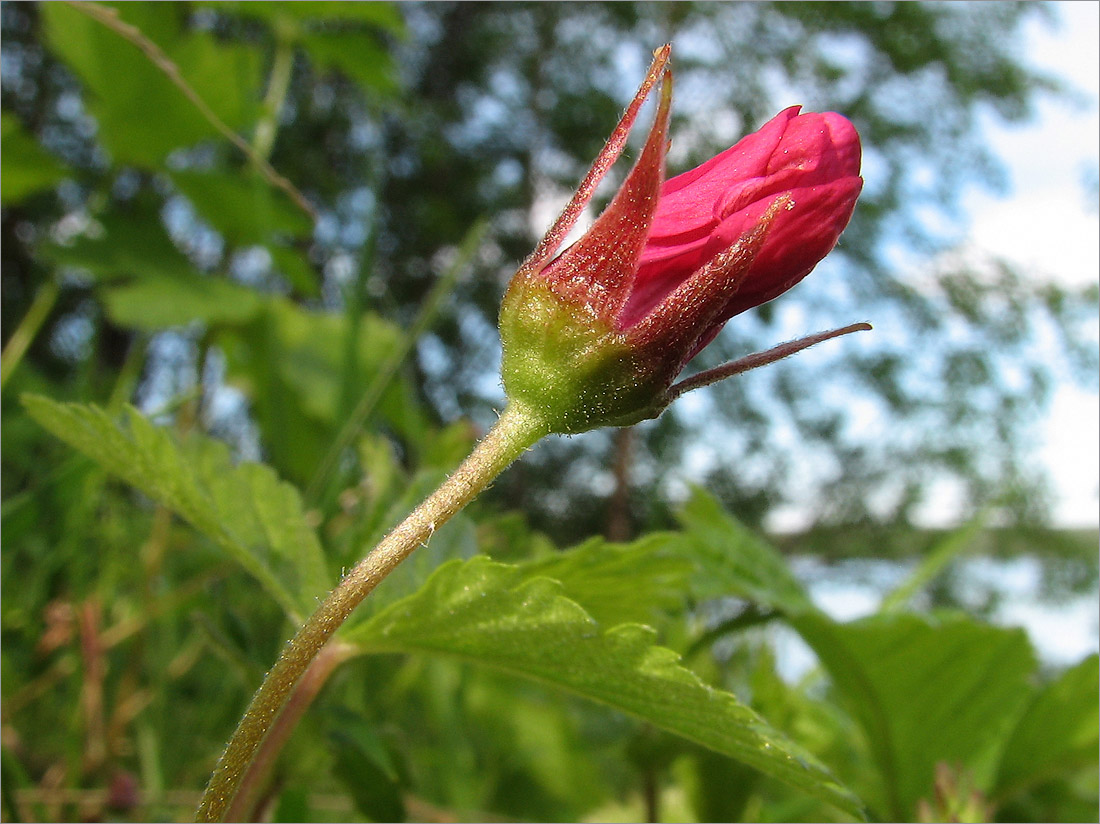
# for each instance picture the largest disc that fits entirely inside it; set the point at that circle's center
(365, 766)
(924, 691)
(731, 560)
(500, 616)
(358, 55)
(246, 510)
(26, 167)
(382, 15)
(1057, 732)
(296, 268)
(620, 583)
(291, 364)
(152, 303)
(244, 208)
(146, 282)
(124, 244)
(142, 115)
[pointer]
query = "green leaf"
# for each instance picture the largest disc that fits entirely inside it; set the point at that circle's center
(731, 560)
(291, 364)
(152, 303)
(620, 583)
(358, 55)
(365, 766)
(500, 616)
(1057, 733)
(146, 282)
(142, 115)
(244, 208)
(25, 167)
(924, 691)
(122, 244)
(246, 510)
(382, 15)
(297, 269)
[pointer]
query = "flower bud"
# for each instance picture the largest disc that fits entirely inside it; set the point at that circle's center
(597, 335)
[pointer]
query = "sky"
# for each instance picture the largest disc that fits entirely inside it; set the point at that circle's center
(1048, 223)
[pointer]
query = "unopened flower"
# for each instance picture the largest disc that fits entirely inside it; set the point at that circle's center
(597, 335)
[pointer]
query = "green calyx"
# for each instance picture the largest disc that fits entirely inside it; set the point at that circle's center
(569, 367)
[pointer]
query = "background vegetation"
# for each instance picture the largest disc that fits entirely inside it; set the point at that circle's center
(281, 232)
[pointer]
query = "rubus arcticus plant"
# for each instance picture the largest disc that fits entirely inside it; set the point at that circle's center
(597, 335)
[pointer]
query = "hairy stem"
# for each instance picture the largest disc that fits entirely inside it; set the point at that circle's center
(307, 689)
(515, 431)
(755, 361)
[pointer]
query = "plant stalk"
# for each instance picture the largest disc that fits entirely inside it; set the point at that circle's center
(515, 431)
(308, 686)
(278, 84)
(25, 332)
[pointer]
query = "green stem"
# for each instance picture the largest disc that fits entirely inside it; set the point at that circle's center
(515, 431)
(278, 84)
(24, 333)
(307, 688)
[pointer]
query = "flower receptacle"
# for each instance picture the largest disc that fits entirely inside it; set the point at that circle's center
(569, 368)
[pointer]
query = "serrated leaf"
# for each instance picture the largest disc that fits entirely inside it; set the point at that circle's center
(620, 583)
(499, 616)
(246, 510)
(1057, 732)
(925, 691)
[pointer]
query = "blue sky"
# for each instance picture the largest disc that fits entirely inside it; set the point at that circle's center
(1048, 223)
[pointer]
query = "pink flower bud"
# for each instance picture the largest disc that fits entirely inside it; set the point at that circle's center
(597, 335)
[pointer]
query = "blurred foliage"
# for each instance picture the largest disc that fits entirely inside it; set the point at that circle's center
(147, 261)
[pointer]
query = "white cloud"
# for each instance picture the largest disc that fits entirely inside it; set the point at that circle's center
(1048, 226)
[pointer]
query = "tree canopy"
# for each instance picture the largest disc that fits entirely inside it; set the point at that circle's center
(404, 129)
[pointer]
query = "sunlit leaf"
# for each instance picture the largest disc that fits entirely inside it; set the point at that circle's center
(620, 583)
(246, 510)
(498, 616)
(154, 303)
